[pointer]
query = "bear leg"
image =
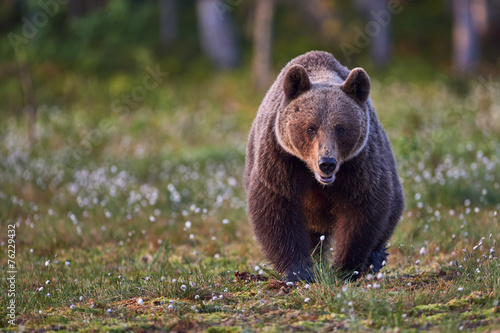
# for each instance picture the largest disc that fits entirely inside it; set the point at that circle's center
(278, 224)
(354, 241)
(377, 257)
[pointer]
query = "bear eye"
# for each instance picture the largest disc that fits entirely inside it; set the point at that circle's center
(311, 130)
(340, 130)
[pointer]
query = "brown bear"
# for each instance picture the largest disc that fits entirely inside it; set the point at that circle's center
(319, 163)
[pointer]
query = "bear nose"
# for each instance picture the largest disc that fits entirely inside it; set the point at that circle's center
(327, 164)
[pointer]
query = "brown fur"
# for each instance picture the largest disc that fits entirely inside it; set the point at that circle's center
(318, 111)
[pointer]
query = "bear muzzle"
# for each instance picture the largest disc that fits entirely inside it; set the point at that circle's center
(327, 165)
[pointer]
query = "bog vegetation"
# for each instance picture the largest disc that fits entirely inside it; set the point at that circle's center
(132, 216)
(140, 223)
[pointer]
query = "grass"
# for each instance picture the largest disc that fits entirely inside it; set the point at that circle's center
(137, 221)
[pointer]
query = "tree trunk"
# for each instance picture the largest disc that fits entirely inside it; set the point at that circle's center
(29, 97)
(262, 43)
(168, 22)
(469, 20)
(316, 12)
(217, 33)
(378, 20)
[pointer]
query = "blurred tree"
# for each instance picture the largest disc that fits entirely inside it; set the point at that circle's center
(29, 97)
(469, 21)
(168, 22)
(77, 8)
(381, 41)
(217, 33)
(262, 43)
(316, 12)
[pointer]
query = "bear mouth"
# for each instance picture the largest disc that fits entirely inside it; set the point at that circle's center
(325, 179)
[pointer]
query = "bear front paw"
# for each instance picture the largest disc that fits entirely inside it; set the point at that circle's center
(305, 275)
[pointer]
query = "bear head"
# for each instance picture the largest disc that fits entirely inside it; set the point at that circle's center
(324, 123)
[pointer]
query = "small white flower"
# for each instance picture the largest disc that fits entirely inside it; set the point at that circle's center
(217, 256)
(307, 300)
(355, 273)
(140, 301)
(47, 282)
(163, 278)
(417, 262)
(384, 263)
(174, 280)
(40, 289)
(197, 297)
(369, 277)
(72, 307)
(289, 283)
(380, 276)
(422, 251)
(460, 289)
(81, 298)
(322, 238)
(47, 263)
(225, 221)
(307, 286)
(109, 311)
(67, 263)
(478, 271)
(376, 286)
(40, 311)
(152, 218)
(170, 307)
(188, 224)
(183, 287)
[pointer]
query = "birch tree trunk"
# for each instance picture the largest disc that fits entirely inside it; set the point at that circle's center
(168, 22)
(469, 21)
(217, 33)
(262, 43)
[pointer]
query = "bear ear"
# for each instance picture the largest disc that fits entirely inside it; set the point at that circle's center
(296, 82)
(357, 85)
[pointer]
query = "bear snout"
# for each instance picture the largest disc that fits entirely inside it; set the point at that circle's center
(327, 165)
